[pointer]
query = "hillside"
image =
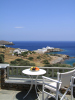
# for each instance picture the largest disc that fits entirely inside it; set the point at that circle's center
(38, 59)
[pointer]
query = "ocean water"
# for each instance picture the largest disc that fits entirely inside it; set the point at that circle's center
(67, 46)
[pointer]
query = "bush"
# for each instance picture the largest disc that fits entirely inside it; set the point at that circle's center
(32, 64)
(73, 64)
(19, 59)
(30, 52)
(1, 58)
(30, 58)
(21, 62)
(46, 62)
(15, 54)
(33, 52)
(13, 62)
(48, 65)
(38, 57)
(57, 65)
(24, 54)
(24, 63)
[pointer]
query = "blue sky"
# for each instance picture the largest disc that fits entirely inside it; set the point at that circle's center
(37, 20)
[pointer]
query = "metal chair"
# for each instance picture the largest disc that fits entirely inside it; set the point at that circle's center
(63, 81)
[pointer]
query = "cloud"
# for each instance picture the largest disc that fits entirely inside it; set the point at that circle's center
(18, 27)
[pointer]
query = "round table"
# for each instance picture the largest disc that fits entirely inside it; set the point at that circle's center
(33, 73)
(29, 72)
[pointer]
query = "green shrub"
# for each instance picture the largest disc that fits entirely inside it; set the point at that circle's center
(19, 59)
(57, 65)
(38, 57)
(1, 58)
(73, 64)
(32, 64)
(33, 52)
(15, 54)
(30, 58)
(30, 52)
(45, 62)
(24, 63)
(24, 54)
(13, 62)
(21, 62)
(47, 65)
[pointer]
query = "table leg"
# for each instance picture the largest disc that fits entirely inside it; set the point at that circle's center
(29, 89)
(36, 87)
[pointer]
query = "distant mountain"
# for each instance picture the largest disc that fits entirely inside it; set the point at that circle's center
(2, 42)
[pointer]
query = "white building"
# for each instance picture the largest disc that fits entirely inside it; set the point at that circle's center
(43, 50)
(19, 51)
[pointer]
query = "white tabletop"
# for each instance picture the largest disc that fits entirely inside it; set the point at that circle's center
(29, 72)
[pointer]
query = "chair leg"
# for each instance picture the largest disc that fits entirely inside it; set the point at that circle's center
(57, 95)
(42, 95)
(71, 92)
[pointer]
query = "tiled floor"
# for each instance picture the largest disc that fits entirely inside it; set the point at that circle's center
(18, 95)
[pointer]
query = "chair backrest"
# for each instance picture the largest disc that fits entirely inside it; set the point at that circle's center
(65, 78)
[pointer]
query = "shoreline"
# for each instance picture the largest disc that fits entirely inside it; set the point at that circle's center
(52, 59)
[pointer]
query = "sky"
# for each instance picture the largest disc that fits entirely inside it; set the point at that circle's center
(37, 20)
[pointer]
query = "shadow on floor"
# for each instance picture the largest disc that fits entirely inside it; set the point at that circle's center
(30, 96)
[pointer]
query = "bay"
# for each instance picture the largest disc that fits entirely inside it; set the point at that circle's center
(67, 46)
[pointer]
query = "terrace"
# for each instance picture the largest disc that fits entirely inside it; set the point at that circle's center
(14, 84)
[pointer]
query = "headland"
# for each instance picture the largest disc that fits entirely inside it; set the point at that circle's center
(2, 42)
(35, 58)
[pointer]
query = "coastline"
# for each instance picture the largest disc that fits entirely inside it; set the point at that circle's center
(9, 56)
(68, 47)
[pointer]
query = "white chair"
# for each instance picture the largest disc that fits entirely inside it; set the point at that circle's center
(63, 80)
(72, 86)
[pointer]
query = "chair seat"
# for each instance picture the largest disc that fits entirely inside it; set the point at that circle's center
(54, 84)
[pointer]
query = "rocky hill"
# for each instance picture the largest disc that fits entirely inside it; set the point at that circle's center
(2, 42)
(38, 59)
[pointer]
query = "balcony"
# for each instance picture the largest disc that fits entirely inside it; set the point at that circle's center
(14, 84)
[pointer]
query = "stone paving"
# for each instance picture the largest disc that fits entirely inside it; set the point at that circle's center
(18, 95)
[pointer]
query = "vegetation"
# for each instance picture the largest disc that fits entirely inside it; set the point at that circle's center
(38, 57)
(24, 57)
(30, 58)
(21, 62)
(57, 65)
(33, 52)
(73, 64)
(45, 62)
(55, 55)
(24, 54)
(1, 58)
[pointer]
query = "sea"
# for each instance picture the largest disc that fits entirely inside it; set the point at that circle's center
(67, 46)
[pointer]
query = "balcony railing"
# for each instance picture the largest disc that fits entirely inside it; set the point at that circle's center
(16, 71)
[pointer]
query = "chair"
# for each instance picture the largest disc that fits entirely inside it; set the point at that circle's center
(63, 81)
